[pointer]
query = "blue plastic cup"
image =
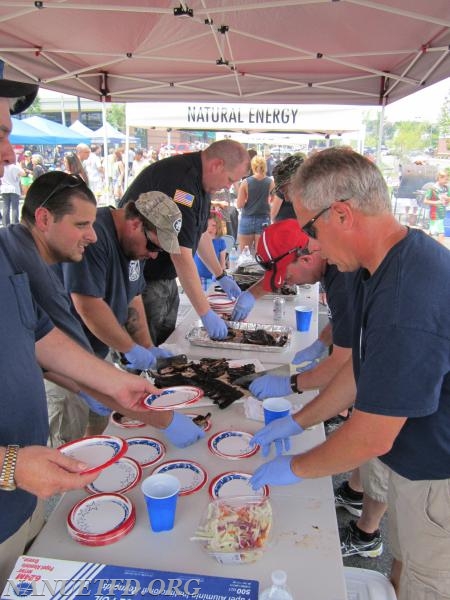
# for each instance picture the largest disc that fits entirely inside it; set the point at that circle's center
(303, 316)
(275, 408)
(161, 493)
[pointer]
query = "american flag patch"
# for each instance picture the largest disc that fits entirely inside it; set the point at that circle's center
(181, 197)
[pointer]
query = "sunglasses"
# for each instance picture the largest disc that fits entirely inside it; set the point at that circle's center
(74, 181)
(309, 228)
(268, 265)
(151, 246)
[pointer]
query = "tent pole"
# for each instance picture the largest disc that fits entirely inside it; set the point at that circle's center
(380, 134)
(105, 152)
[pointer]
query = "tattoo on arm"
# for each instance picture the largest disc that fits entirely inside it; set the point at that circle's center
(132, 324)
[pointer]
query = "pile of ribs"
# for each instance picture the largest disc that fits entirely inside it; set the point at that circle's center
(213, 375)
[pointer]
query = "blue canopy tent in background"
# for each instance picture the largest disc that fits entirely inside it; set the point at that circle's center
(24, 133)
(56, 133)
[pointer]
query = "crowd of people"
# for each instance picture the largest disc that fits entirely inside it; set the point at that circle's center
(82, 285)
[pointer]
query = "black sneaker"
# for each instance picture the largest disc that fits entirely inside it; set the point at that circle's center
(345, 497)
(352, 542)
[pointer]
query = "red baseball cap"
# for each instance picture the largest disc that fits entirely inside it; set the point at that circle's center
(278, 246)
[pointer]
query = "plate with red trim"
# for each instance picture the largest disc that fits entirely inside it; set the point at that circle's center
(124, 421)
(232, 444)
(119, 477)
(235, 483)
(145, 450)
(101, 519)
(173, 397)
(191, 475)
(97, 451)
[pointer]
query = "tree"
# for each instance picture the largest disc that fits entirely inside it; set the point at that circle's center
(444, 119)
(411, 136)
(115, 115)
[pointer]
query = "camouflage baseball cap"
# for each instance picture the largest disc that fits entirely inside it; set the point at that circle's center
(284, 171)
(164, 214)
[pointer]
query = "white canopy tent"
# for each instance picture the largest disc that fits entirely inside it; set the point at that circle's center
(365, 52)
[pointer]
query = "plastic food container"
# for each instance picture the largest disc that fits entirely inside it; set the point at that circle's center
(235, 530)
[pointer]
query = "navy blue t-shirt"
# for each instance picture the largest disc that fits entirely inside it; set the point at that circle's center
(338, 287)
(105, 272)
(401, 353)
(180, 177)
(24, 418)
(46, 287)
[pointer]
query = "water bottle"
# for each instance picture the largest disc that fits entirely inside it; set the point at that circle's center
(279, 309)
(245, 257)
(233, 259)
(278, 590)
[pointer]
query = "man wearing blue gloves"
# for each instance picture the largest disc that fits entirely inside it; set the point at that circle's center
(57, 225)
(401, 396)
(289, 256)
(189, 179)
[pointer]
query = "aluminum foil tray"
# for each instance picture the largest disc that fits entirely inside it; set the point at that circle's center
(199, 337)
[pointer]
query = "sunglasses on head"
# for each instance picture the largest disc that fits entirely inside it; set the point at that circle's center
(73, 182)
(309, 228)
(151, 246)
(268, 265)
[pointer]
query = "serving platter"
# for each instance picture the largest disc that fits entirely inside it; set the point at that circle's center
(198, 336)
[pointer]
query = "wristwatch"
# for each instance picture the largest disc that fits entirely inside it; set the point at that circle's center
(293, 384)
(219, 277)
(7, 481)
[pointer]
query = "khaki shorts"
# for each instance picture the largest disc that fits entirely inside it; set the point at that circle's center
(419, 536)
(374, 479)
(67, 415)
(15, 545)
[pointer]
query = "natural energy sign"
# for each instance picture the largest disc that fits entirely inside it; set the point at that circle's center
(242, 117)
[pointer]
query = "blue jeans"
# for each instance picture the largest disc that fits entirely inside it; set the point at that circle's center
(253, 224)
(10, 203)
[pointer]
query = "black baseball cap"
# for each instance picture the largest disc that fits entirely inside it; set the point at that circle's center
(23, 94)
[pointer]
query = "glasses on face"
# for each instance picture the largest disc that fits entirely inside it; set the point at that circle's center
(268, 265)
(73, 182)
(151, 246)
(309, 228)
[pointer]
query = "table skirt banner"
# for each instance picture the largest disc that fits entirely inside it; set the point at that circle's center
(49, 578)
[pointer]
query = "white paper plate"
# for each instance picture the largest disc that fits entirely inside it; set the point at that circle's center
(97, 451)
(232, 444)
(191, 475)
(234, 483)
(120, 420)
(100, 515)
(219, 300)
(173, 397)
(145, 451)
(119, 477)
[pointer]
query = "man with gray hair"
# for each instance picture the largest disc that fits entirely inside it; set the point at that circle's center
(189, 179)
(400, 374)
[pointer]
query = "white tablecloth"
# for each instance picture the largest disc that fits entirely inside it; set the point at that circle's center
(305, 539)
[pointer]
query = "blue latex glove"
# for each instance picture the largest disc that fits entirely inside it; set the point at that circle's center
(275, 472)
(243, 306)
(214, 325)
(141, 358)
(230, 287)
(311, 355)
(182, 431)
(95, 405)
(160, 352)
(271, 386)
(277, 431)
